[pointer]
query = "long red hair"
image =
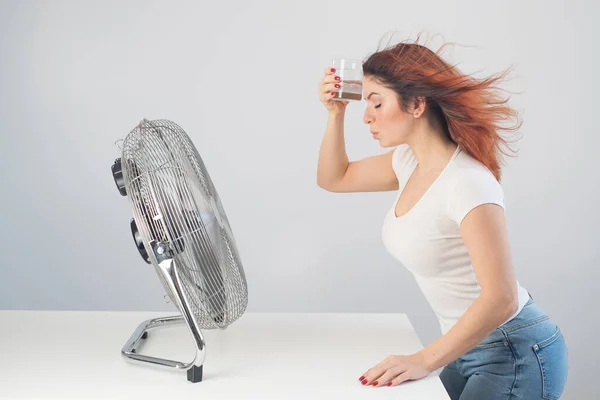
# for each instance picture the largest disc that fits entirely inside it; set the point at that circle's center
(472, 111)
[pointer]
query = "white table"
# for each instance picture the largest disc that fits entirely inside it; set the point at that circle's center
(68, 354)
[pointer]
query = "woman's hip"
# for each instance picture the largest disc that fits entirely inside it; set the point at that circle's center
(529, 353)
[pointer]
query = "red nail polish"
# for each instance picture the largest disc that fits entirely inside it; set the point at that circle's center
(332, 69)
(390, 383)
(364, 382)
(337, 78)
(361, 378)
(337, 86)
(332, 93)
(375, 383)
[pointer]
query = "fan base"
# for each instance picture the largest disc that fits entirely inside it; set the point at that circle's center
(194, 374)
(194, 369)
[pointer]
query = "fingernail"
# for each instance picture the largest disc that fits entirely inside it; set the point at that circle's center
(332, 69)
(389, 383)
(375, 383)
(364, 382)
(332, 93)
(361, 378)
(337, 78)
(337, 86)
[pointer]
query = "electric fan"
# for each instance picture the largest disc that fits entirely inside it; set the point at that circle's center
(179, 226)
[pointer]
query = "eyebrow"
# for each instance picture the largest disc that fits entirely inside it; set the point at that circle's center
(372, 93)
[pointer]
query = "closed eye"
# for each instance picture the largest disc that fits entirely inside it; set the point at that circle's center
(377, 106)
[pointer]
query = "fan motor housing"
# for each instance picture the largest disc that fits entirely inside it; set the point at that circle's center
(139, 242)
(117, 172)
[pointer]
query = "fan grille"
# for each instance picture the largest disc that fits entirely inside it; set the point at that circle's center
(175, 202)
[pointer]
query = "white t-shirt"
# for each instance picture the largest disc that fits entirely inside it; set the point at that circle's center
(427, 238)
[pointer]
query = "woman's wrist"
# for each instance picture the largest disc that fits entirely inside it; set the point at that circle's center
(426, 360)
(336, 114)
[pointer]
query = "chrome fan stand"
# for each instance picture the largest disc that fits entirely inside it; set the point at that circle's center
(168, 269)
(183, 233)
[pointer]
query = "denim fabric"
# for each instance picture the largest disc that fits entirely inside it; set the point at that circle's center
(526, 358)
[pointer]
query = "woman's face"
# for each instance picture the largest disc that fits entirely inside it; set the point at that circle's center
(387, 122)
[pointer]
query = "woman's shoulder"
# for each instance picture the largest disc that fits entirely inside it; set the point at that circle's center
(467, 168)
(402, 158)
(470, 184)
(403, 153)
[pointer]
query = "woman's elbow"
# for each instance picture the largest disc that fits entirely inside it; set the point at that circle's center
(510, 303)
(506, 304)
(513, 305)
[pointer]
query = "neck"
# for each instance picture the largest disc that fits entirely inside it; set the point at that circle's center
(431, 146)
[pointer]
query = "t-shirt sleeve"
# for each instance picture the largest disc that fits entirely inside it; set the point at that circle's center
(472, 190)
(401, 160)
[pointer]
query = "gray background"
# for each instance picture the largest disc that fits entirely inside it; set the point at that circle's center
(241, 79)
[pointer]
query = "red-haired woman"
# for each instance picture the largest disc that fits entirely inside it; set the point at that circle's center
(447, 223)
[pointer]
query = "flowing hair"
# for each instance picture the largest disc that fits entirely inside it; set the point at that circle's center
(472, 111)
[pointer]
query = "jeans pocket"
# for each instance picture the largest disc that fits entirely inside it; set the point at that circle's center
(552, 357)
(494, 339)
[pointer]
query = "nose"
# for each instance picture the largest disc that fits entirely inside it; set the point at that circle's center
(367, 117)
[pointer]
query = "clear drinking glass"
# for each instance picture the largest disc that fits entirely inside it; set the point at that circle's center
(351, 77)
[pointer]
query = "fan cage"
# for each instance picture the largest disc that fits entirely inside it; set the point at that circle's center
(174, 202)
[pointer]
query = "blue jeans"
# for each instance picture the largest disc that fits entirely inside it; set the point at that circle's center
(526, 358)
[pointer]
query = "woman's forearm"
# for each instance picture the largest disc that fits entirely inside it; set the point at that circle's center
(333, 160)
(484, 315)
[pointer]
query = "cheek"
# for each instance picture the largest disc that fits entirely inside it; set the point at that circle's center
(396, 123)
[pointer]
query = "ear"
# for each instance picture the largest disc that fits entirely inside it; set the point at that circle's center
(419, 106)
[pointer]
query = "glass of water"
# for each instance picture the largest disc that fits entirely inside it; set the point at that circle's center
(351, 77)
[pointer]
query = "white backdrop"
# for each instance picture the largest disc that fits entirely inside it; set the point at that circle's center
(241, 79)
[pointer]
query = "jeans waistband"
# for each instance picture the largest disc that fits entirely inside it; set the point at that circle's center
(530, 314)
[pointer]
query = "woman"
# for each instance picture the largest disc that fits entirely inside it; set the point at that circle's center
(447, 224)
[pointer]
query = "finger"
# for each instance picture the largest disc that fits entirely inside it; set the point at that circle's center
(326, 97)
(403, 377)
(373, 374)
(331, 79)
(367, 373)
(388, 376)
(326, 88)
(370, 372)
(381, 365)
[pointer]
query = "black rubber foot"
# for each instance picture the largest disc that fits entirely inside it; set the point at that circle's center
(145, 335)
(194, 374)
